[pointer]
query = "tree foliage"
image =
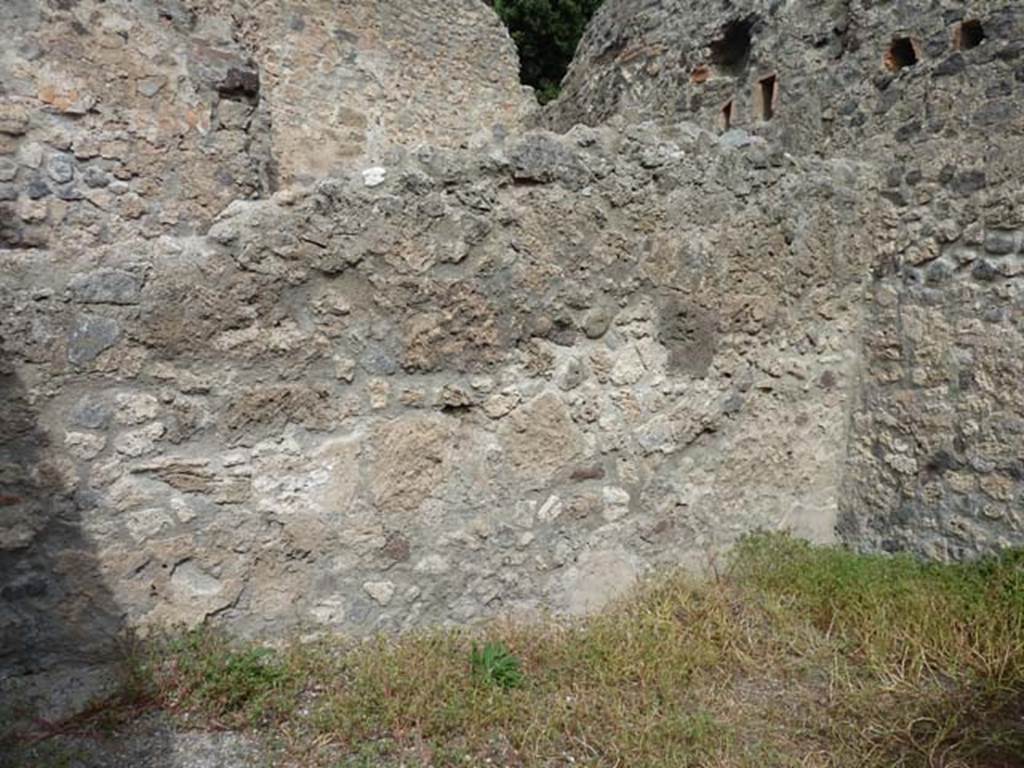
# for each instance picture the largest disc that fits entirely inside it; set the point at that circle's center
(546, 33)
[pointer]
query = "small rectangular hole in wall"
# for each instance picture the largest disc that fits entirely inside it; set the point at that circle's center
(969, 34)
(902, 53)
(725, 118)
(766, 96)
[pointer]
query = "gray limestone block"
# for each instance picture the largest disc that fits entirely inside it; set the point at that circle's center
(90, 336)
(1000, 242)
(96, 177)
(60, 168)
(37, 188)
(8, 169)
(106, 286)
(91, 412)
(542, 159)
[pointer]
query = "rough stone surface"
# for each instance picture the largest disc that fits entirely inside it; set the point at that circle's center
(302, 330)
(935, 442)
(148, 117)
(486, 436)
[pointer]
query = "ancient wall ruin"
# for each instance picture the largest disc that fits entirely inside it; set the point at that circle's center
(930, 96)
(303, 330)
(141, 119)
(126, 128)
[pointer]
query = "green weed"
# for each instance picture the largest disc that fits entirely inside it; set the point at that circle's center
(495, 664)
(229, 683)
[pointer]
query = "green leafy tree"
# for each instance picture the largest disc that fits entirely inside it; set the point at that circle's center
(546, 33)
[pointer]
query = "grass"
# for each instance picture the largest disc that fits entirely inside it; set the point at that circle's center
(796, 656)
(496, 664)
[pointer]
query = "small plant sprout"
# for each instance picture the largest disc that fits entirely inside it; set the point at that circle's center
(496, 665)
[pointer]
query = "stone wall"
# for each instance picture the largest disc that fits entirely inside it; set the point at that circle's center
(496, 382)
(125, 118)
(115, 122)
(301, 330)
(937, 444)
(347, 81)
(125, 129)
(817, 77)
(930, 95)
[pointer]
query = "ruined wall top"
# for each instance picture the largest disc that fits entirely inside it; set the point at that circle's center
(178, 108)
(350, 80)
(816, 76)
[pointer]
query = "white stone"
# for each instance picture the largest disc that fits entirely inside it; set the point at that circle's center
(628, 368)
(139, 441)
(329, 611)
(905, 465)
(144, 524)
(234, 458)
(380, 591)
(84, 445)
(189, 580)
(501, 404)
(616, 503)
(379, 392)
(135, 408)
(182, 510)
(433, 564)
(31, 154)
(653, 356)
(344, 369)
(550, 510)
(657, 436)
(373, 177)
(482, 383)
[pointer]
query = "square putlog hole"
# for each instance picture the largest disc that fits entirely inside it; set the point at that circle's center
(766, 97)
(969, 34)
(902, 53)
(725, 116)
